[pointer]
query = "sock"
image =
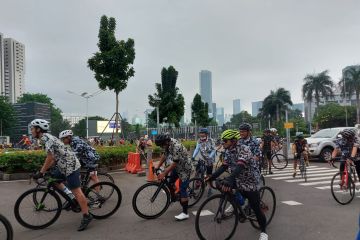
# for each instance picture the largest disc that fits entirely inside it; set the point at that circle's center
(68, 192)
(185, 207)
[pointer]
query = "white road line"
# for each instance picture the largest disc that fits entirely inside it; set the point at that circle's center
(292, 203)
(314, 183)
(309, 175)
(317, 170)
(14, 181)
(336, 186)
(275, 171)
(309, 179)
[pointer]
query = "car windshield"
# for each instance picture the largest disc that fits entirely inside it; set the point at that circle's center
(326, 133)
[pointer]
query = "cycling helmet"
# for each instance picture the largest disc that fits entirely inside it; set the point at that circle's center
(348, 133)
(300, 136)
(245, 126)
(41, 123)
(266, 130)
(204, 130)
(161, 139)
(66, 133)
(274, 130)
(230, 135)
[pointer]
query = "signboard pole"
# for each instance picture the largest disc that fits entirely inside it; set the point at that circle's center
(287, 134)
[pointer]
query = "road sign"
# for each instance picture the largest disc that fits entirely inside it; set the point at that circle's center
(288, 125)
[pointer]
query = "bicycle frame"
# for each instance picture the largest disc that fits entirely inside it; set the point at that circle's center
(348, 171)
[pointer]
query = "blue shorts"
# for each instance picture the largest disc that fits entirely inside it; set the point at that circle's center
(183, 184)
(72, 181)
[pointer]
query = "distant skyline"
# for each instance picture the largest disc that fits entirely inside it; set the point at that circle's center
(251, 47)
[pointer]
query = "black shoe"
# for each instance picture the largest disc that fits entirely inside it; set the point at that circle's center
(85, 222)
(270, 172)
(67, 206)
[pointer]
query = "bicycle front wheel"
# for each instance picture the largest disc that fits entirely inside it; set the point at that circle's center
(267, 206)
(279, 161)
(343, 193)
(151, 200)
(38, 214)
(105, 177)
(104, 199)
(217, 218)
(6, 230)
(195, 190)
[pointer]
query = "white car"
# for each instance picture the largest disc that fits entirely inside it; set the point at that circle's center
(321, 144)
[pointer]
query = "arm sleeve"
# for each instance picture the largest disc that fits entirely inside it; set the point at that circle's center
(238, 169)
(219, 171)
(213, 150)
(197, 149)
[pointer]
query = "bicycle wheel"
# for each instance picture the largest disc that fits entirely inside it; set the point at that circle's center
(41, 214)
(6, 230)
(267, 206)
(195, 190)
(105, 177)
(217, 218)
(104, 199)
(341, 192)
(151, 200)
(279, 161)
(262, 181)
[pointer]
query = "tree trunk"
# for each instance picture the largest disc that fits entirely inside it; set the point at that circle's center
(277, 113)
(117, 119)
(357, 107)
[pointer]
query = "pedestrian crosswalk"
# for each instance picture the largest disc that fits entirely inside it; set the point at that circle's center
(318, 177)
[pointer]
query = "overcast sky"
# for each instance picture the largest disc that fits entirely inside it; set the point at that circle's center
(251, 47)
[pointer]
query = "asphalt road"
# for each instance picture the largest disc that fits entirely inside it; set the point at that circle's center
(316, 217)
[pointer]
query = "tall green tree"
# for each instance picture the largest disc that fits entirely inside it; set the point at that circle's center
(241, 117)
(351, 80)
(7, 117)
(167, 98)
(113, 63)
(332, 115)
(276, 103)
(57, 123)
(79, 128)
(199, 112)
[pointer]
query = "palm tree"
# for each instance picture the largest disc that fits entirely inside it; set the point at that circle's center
(351, 79)
(317, 86)
(276, 102)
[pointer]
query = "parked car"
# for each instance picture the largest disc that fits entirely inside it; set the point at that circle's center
(321, 144)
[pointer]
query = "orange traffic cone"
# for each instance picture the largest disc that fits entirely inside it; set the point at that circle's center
(150, 176)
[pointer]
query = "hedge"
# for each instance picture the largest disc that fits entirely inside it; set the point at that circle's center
(28, 161)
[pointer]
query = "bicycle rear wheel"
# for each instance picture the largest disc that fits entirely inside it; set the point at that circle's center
(6, 230)
(262, 181)
(195, 190)
(217, 218)
(279, 161)
(343, 193)
(267, 206)
(38, 214)
(104, 199)
(105, 177)
(151, 200)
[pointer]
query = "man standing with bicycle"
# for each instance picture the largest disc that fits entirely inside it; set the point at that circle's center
(300, 147)
(244, 174)
(67, 166)
(206, 147)
(179, 168)
(267, 145)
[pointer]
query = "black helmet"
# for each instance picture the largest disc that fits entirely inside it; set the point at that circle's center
(161, 139)
(300, 136)
(204, 130)
(245, 127)
(266, 130)
(348, 133)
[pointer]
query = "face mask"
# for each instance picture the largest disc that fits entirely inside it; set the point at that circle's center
(203, 139)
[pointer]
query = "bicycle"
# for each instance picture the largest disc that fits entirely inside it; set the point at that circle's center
(303, 167)
(6, 230)
(47, 201)
(219, 215)
(161, 194)
(345, 182)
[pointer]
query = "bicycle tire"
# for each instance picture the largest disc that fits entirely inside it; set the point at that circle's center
(107, 177)
(148, 185)
(8, 227)
(46, 191)
(102, 200)
(262, 181)
(279, 161)
(264, 206)
(193, 184)
(217, 198)
(351, 186)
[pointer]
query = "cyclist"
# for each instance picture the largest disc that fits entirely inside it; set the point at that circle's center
(67, 166)
(85, 153)
(277, 139)
(244, 174)
(299, 147)
(267, 144)
(179, 168)
(206, 147)
(247, 139)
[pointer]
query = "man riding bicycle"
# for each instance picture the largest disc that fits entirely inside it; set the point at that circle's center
(267, 145)
(206, 147)
(85, 153)
(247, 139)
(179, 168)
(276, 137)
(244, 174)
(67, 166)
(300, 147)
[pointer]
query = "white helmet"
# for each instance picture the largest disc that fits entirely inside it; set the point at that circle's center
(273, 129)
(65, 133)
(41, 123)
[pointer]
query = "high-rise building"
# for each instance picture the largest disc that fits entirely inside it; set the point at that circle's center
(236, 106)
(214, 115)
(256, 106)
(298, 106)
(14, 69)
(206, 88)
(2, 80)
(220, 116)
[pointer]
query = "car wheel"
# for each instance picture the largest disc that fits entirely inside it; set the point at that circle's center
(325, 154)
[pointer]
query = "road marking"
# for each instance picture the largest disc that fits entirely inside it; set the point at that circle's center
(292, 203)
(314, 173)
(290, 169)
(285, 173)
(314, 183)
(14, 181)
(309, 179)
(203, 213)
(337, 186)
